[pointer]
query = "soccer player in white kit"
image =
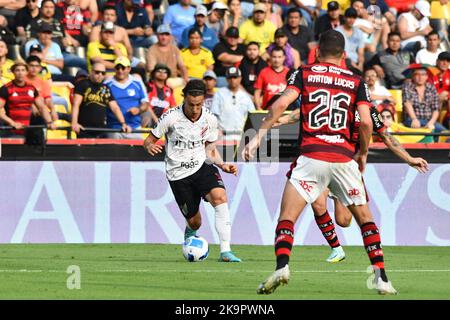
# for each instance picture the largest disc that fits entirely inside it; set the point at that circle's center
(191, 131)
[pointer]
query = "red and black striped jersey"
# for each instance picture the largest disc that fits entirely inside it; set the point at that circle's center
(329, 98)
(19, 100)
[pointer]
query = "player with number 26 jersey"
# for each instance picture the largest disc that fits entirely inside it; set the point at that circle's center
(330, 96)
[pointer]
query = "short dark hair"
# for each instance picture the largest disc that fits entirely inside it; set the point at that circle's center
(278, 48)
(194, 87)
(33, 59)
(108, 7)
(254, 43)
(432, 33)
(294, 10)
(393, 34)
(195, 30)
(331, 44)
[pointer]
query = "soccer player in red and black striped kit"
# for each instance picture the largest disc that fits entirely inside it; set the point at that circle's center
(330, 97)
(17, 99)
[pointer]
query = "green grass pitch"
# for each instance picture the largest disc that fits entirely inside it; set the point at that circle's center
(159, 271)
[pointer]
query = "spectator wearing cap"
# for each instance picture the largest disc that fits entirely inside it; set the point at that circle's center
(292, 60)
(132, 98)
(421, 106)
(20, 97)
(135, 20)
(328, 21)
(107, 50)
(109, 14)
(5, 63)
(23, 18)
(251, 66)
(354, 41)
(51, 51)
(210, 80)
(441, 80)
(235, 17)
(196, 58)
(258, 29)
(160, 95)
(179, 16)
(231, 105)
(91, 99)
(271, 80)
(414, 25)
(430, 54)
(392, 62)
(227, 53)
(36, 50)
(299, 37)
(49, 17)
(216, 17)
(210, 38)
(166, 52)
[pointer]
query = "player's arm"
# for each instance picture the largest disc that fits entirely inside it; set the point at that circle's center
(395, 146)
(293, 117)
(214, 156)
(277, 109)
(155, 134)
(6, 119)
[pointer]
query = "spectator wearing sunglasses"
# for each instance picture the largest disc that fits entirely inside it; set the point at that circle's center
(91, 100)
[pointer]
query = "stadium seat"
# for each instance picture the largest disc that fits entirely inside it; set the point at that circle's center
(398, 127)
(14, 52)
(60, 134)
(344, 4)
(63, 89)
(397, 94)
(72, 71)
(140, 53)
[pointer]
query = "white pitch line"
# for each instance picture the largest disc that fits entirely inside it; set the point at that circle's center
(211, 271)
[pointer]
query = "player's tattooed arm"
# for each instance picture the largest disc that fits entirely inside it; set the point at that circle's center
(292, 117)
(396, 147)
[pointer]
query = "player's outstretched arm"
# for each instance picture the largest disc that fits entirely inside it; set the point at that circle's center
(214, 157)
(293, 117)
(150, 145)
(395, 146)
(275, 112)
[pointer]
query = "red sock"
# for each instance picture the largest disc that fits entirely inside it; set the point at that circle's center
(284, 239)
(326, 225)
(372, 243)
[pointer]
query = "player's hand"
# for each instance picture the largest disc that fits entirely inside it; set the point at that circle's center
(420, 164)
(361, 159)
(77, 127)
(229, 168)
(152, 148)
(250, 149)
(134, 111)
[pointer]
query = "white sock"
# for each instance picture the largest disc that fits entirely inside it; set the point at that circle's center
(223, 226)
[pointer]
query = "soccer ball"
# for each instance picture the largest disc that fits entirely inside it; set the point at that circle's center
(195, 249)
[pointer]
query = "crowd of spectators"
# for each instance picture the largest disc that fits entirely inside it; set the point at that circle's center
(128, 59)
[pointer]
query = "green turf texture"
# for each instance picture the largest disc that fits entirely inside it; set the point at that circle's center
(159, 271)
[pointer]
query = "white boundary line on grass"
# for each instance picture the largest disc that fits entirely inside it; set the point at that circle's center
(211, 271)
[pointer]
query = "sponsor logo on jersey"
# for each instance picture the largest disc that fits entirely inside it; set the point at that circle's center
(183, 144)
(275, 88)
(31, 93)
(131, 92)
(319, 69)
(291, 79)
(331, 139)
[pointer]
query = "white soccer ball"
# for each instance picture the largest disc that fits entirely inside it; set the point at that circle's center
(195, 249)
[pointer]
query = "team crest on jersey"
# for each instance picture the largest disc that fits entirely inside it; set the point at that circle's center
(31, 93)
(319, 69)
(131, 92)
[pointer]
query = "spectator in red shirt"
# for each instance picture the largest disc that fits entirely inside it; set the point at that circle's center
(159, 94)
(272, 79)
(18, 98)
(442, 79)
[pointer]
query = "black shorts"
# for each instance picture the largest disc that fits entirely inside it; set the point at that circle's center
(189, 191)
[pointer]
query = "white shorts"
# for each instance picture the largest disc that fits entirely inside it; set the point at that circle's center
(311, 177)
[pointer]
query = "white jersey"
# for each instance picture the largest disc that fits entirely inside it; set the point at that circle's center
(185, 141)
